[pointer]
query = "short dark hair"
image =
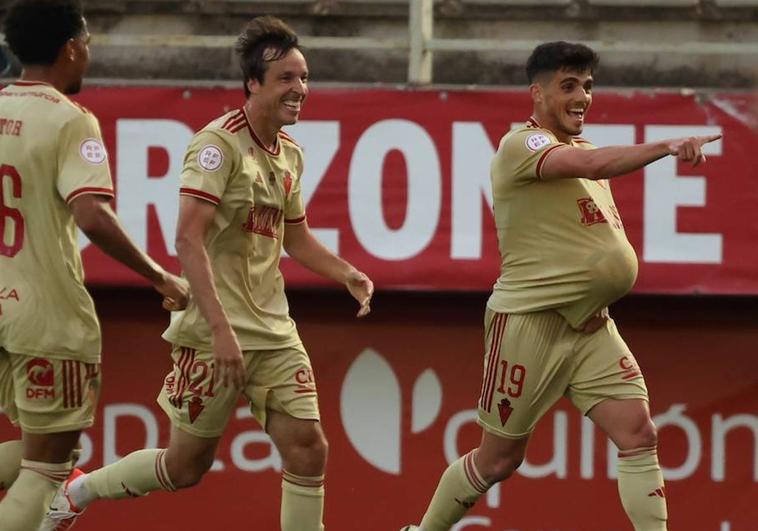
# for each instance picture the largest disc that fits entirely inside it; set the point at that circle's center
(554, 56)
(36, 30)
(262, 34)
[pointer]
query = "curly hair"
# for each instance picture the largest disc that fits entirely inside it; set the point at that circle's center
(36, 30)
(554, 56)
(263, 40)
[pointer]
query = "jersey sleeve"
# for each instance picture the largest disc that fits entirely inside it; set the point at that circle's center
(208, 165)
(82, 159)
(295, 208)
(522, 155)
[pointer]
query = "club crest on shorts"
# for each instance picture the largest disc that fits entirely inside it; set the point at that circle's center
(195, 407)
(505, 410)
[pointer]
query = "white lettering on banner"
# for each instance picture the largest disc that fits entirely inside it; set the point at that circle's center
(137, 189)
(472, 154)
(721, 427)
(111, 415)
(320, 141)
(664, 192)
(424, 194)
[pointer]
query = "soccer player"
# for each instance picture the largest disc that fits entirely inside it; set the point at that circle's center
(565, 258)
(53, 176)
(240, 205)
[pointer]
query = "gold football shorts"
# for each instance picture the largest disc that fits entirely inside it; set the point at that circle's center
(46, 395)
(281, 380)
(533, 359)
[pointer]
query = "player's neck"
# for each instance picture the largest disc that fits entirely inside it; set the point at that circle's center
(545, 122)
(266, 131)
(43, 74)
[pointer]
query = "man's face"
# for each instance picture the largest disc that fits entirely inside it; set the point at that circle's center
(284, 88)
(79, 58)
(566, 98)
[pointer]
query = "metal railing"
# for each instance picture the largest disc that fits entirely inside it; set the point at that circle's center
(421, 44)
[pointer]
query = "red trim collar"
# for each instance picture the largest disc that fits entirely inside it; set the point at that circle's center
(258, 140)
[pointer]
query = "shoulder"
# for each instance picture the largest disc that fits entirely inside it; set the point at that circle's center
(290, 148)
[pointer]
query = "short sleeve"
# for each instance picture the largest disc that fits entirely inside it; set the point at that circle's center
(295, 208)
(208, 165)
(522, 155)
(82, 159)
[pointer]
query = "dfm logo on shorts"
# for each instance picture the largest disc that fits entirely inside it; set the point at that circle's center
(41, 375)
(371, 409)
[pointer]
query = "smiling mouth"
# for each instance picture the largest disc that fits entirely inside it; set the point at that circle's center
(293, 106)
(577, 113)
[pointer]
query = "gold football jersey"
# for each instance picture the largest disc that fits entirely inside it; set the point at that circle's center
(562, 243)
(256, 192)
(51, 151)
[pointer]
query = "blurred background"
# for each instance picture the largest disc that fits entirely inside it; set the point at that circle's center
(407, 105)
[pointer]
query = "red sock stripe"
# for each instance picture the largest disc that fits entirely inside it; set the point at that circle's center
(493, 362)
(55, 477)
(160, 464)
(636, 452)
(470, 470)
(301, 481)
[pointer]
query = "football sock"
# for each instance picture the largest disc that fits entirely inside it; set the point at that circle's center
(137, 474)
(640, 484)
(10, 462)
(302, 502)
(27, 501)
(460, 486)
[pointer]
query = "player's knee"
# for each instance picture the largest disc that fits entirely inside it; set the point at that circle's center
(188, 472)
(647, 435)
(502, 468)
(307, 455)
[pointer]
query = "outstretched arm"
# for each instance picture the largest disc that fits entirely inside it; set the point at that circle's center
(301, 245)
(603, 163)
(94, 216)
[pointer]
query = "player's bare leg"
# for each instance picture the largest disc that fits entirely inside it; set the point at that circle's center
(468, 478)
(640, 481)
(303, 448)
(46, 463)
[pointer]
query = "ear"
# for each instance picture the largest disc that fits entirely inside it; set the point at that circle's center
(253, 85)
(68, 52)
(535, 89)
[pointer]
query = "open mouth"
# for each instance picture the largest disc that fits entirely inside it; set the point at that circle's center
(577, 114)
(293, 106)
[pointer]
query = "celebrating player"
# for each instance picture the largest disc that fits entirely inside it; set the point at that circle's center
(565, 258)
(53, 176)
(240, 204)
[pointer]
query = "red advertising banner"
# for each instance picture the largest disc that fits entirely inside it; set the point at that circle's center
(398, 396)
(397, 181)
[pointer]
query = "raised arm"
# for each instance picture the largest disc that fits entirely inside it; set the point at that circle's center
(604, 163)
(195, 215)
(301, 245)
(94, 216)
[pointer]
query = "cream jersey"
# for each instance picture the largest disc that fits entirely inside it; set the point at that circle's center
(562, 243)
(256, 192)
(51, 151)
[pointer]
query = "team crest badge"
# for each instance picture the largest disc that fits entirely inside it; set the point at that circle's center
(287, 182)
(195, 407)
